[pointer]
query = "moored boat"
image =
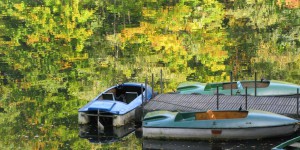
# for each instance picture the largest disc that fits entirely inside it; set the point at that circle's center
(115, 106)
(263, 88)
(223, 124)
(292, 144)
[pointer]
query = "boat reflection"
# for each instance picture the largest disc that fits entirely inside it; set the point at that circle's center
(108, 135)
(267, 143)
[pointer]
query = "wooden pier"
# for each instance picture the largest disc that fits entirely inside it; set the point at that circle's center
(190, 102)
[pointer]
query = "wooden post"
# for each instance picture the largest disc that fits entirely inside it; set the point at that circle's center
(298, 101)
(152, 85)
(146, 93)
(231, 83)
(161, 84)
(217, 97)
(246, 98)
(142, 94)
(141, 118)
(255, 84)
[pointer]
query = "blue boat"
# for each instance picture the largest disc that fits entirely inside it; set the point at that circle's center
(115, 106)
(263, 88)
(221, 124)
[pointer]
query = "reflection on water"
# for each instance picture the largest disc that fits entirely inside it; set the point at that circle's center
(260, 144)
(55, 57)
(108, 135)
(116, 134)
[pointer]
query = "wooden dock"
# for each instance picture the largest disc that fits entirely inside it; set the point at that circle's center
(190, 102)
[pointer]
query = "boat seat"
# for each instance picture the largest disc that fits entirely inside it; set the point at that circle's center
(108, 96)
(130, 96)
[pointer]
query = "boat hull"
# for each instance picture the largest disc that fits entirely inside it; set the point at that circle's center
(120, 120)
(263, 88)
(83, 118)
(220, 124)
(234, 134)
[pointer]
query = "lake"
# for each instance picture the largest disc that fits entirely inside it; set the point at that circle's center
(55, 56)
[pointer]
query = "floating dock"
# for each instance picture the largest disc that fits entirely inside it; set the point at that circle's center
(192, 102)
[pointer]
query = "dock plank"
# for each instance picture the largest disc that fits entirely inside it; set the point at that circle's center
(193, 102)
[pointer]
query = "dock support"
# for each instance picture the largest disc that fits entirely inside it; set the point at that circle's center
(246, 98)
(142, 94)
(217, 97)
(255, 84)
(298, 101)
(152, 85)
(146, 93)
(231, 83)
(161, 84)
(142, 106)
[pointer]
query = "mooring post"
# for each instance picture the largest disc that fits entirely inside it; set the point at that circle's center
(141, 117)
(146, 93)
(298, 101)
(246, 98)
(231, 83)
(255, 84)
(142, 94)
(217, 97)
(161, 84)
(152, 85)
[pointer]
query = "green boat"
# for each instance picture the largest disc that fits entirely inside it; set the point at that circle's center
(221, 124)
(254, 88)
(293, 144)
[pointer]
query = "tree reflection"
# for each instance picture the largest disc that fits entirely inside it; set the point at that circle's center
(57, 55)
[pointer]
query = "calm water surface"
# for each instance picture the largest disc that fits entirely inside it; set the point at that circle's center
(118, 135)
(57, 56)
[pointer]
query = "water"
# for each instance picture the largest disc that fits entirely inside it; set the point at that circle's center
(116, 135)
(55, 57)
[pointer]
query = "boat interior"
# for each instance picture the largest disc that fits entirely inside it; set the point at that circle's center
(211, 115)
(215, 115)
(122, 93)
